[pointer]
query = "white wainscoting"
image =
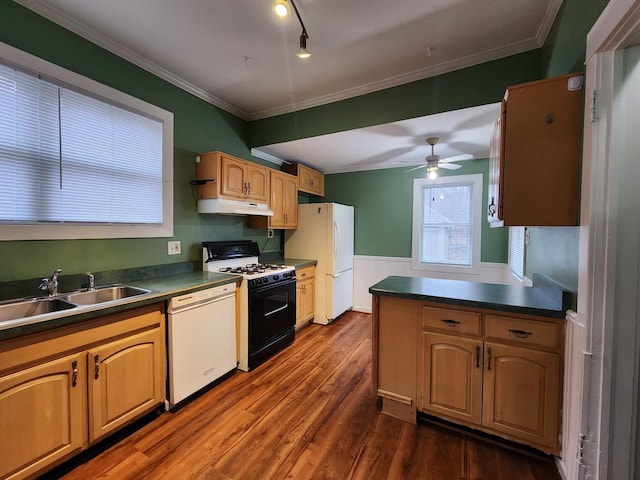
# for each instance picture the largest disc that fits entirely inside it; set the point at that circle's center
(569, 465)
(369, 270)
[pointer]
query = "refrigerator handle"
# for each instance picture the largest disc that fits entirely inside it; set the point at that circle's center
(334, 275)
(335, 237)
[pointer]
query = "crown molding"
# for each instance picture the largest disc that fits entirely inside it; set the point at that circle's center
(82, 30)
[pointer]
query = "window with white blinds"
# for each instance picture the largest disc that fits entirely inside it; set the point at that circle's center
(517, 250)
(71, 158)
(446, 223)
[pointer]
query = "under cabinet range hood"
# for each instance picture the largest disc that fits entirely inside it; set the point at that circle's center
(225, 206)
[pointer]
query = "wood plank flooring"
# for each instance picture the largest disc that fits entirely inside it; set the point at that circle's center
(308, 413)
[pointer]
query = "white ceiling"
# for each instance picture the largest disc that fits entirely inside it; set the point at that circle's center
(238, 56)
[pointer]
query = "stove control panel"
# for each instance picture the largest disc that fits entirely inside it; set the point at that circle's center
(271, 278)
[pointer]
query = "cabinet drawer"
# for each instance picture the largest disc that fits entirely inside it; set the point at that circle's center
(520, 330)
(305, 273)
(451, 321)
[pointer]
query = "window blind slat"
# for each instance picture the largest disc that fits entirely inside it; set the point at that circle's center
(70, 157)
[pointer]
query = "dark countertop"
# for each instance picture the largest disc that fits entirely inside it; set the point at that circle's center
(162, 289)
(544, 298)
(298, 263)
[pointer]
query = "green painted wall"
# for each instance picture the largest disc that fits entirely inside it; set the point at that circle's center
(199, 127)
(468, 87)
(554, 251)
(383, 210)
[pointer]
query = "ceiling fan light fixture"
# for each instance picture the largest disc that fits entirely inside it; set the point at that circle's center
(433, 174)
(281, 8)
(303, 52)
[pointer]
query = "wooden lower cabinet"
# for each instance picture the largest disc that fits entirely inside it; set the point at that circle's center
(42, 415)
(452, 381)
(126, 381)
(54, 403)
(522, 394)
(510, 387)
(305, 296)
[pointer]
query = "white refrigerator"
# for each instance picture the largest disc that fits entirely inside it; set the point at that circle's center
(325, 234)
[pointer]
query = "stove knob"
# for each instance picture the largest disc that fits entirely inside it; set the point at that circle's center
(276, 277)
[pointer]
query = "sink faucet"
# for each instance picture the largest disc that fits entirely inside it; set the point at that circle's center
(51, 284)
(92, 281)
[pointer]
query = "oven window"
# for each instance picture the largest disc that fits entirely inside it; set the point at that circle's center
(275, 303)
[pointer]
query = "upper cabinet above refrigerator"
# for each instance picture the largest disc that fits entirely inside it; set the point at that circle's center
(535, 154)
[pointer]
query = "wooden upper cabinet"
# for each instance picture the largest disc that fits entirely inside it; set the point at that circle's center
(231, 177)
(535, 154)
(309, 180)
(283, 202)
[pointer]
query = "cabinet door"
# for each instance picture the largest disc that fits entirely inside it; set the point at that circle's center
(125, 380)
(310, 180)
(258, 179)
(291, 201)
(233, 177)
(452, 377)
(307, 309)
(42, 415)
(284, 200)
(522, 393)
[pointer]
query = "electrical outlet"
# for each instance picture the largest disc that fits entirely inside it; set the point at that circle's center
(269, 233)
(173, 248)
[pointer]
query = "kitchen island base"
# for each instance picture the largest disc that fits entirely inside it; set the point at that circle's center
(491, 370)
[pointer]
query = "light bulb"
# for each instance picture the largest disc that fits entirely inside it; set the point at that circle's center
(432, 175)
(281, 8)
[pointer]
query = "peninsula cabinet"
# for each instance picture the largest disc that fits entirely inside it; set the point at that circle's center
(497, 372)
(61, 390)
(226, 176)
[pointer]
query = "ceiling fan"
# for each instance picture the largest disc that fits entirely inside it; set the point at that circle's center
(433, 161)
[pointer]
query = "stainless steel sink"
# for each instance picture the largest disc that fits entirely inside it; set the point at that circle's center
(104, 294)
(29, 308)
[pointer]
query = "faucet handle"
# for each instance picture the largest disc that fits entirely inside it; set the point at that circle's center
(92, 282)
(44, 285)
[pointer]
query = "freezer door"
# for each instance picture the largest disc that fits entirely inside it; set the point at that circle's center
(339, 294)
(340, 238)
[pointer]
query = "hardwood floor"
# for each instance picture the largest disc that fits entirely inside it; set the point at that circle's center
(308, 413)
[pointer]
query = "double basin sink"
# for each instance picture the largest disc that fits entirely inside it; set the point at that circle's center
(20, 309)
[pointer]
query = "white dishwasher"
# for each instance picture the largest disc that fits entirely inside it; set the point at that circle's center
(201, 339)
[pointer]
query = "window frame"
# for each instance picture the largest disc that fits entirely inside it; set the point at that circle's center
(475, 181)
(518, 239)
(51, 231)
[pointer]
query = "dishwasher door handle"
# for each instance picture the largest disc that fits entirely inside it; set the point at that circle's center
(183, 308)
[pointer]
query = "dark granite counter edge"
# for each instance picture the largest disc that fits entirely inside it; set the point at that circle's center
(162, 289)
(472, 303)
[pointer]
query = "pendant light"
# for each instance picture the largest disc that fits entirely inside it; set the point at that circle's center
(281, 9)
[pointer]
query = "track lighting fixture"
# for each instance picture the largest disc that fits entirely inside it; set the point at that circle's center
(281, 8)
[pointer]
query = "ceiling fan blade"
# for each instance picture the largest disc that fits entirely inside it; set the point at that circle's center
(416, 168)
(449, 166)
(457, 158)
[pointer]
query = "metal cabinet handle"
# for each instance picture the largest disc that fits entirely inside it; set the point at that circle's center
(492, 207)
(489, 358)
(450, 323)
(96, 364)
(74, 374)
(520, 333)
(477, 356)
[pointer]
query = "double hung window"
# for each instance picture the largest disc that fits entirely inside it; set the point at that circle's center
(79, 159)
